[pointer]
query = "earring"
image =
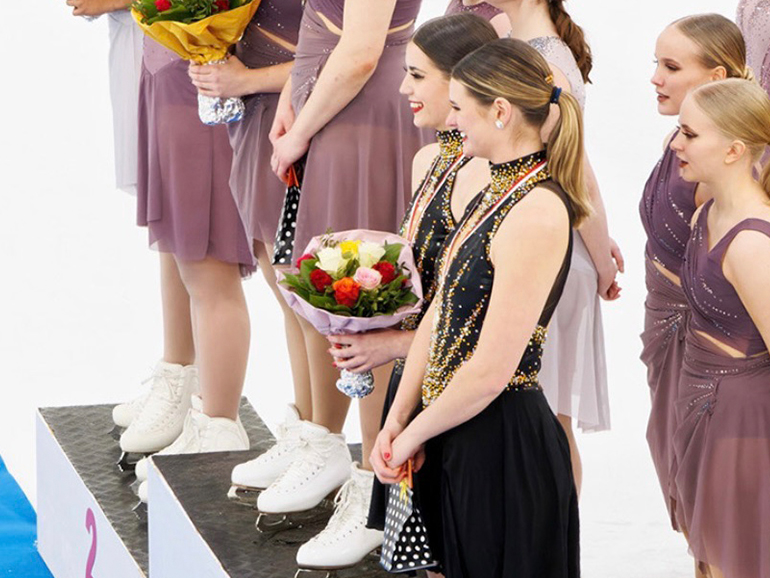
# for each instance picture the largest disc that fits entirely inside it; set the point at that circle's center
(499, 124)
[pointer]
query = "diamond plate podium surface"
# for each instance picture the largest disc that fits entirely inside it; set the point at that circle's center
(78, 481)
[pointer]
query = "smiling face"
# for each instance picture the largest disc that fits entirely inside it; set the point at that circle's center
(427, 89)
(475, 121)
(702, 149)
(678, 70)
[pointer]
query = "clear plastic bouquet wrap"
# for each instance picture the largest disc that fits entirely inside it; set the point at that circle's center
(352, 282)
(202, 31)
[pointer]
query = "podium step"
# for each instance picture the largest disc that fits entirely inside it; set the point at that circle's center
(86, 525)
(196, 531)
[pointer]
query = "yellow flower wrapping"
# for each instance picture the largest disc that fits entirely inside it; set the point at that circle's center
(204, 41)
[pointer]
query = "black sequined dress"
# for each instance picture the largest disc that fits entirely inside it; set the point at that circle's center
(496, 492)
(426, 225)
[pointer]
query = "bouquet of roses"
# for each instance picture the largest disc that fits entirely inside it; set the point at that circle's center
(202, 31)
(352, 282)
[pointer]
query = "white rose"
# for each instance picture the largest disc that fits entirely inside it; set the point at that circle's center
(330, 260)
(369, 253)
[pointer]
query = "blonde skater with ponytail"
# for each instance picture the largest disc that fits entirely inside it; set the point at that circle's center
(494, 482)
(722, 442)
(574, 374)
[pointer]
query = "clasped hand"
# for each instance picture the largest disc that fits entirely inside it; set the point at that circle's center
(392, 448)
(224, 80)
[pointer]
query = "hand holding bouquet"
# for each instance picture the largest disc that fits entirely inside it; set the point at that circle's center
(201, 31)
(352, 282)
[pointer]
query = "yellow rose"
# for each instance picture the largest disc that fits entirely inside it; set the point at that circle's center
(350, 247)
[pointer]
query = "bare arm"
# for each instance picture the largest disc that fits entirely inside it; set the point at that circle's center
(524, 273)
(233, 78)
(96, 7)
(349, 67)
(747, 267)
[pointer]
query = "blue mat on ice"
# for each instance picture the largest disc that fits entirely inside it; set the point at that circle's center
(18, 553)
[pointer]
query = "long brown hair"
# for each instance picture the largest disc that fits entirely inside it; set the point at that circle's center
(573, 36)
(513, 70)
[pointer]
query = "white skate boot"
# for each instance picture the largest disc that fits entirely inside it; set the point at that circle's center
(124, 413)
(161, 417)
(346, 540)
(142, 465)
(322, 465)
(202, 434)
(249, 478)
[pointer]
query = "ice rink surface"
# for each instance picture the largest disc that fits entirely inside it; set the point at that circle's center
(79, 293)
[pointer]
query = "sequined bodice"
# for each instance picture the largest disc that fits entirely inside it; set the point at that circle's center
(428, 220)
(666, 208)
(557, 54)
(717, 309)
(481, 9)
(280, 18)
(753, 18)
(406, 11)
(466, 278)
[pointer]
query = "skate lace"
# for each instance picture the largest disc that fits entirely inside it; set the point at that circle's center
(347, 509)
(162, 397)
(286, 440)
(309, 461)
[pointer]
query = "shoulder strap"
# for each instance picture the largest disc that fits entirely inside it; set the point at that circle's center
(557, 189)
(759, 225)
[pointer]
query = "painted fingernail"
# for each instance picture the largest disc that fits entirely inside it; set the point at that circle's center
(387, 456)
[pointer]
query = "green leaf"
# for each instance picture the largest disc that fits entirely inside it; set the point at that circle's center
(392, 252)
(306, 268)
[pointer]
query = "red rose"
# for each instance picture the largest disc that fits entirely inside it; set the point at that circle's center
(320, 279)
(222, 5)
(304, 257)
(346, 291)
(387, 270)
(162, 5)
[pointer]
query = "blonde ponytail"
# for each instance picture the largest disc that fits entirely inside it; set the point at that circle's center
(565, 155)
(513, 70)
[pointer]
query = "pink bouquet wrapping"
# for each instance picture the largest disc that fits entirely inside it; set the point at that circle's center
(352, 282)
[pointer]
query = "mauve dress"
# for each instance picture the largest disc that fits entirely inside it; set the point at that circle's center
(183, 195)
(753, 18)
(258, 192)
(481, 9)
(358, 170)
(722, 443)
(574, 372)
(666, 209)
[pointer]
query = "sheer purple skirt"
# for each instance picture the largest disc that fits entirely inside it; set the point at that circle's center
(665, 322)
(722, 447)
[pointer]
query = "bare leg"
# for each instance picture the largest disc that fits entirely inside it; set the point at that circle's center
(178, 344)
(330, 406)
(370, 409)
(577, 465)
(221, 332)
(434, 574)
(295, 339)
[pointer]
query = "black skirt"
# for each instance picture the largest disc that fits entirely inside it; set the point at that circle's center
(497, 494)
(379, 502)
